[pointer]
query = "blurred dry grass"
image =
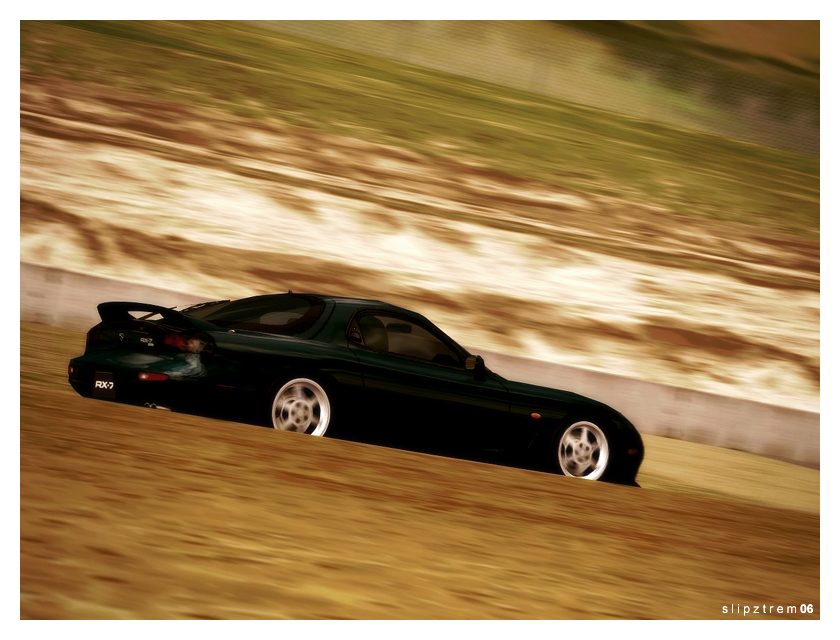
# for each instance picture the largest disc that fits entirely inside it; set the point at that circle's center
(164, 69)
(131, 513)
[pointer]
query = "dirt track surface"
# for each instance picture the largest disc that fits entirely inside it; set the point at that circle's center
(134, 513)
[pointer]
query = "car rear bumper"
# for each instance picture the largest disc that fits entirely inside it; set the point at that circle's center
(127, 386)
(138, 379)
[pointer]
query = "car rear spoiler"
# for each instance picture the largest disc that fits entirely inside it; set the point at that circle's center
(121, 312)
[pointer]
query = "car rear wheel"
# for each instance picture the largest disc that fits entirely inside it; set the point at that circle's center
(583, 450)
(301, 405)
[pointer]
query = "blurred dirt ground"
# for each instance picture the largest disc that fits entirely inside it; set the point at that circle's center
(134, 513)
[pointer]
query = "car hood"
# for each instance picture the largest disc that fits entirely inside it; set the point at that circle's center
(549, 396)
(558, 402)
(557, 405)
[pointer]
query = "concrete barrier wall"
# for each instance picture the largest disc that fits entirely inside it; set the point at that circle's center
(62, 298)
(69, 299)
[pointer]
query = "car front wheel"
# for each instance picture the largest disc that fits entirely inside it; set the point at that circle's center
(301, 405)
(583, 450)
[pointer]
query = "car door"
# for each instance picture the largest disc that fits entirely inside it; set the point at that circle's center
(418, 389)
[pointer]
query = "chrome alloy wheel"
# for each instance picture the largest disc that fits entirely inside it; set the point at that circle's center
(583, 451)
(302, 406)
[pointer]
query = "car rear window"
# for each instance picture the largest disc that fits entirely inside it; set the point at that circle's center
(285, 314)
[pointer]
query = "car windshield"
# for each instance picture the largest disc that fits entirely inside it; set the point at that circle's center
(285, 314)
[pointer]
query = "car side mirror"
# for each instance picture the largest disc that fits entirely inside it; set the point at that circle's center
(476, 365)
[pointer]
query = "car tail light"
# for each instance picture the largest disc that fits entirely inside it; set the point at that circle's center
(189, 343)
(152, 376)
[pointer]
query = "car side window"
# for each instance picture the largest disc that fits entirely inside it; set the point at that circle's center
(373, 331)
(402, 337)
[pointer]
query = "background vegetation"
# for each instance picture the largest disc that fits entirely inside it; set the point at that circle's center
(260, 71)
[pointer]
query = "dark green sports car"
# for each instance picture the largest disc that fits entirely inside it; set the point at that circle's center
(347, 368)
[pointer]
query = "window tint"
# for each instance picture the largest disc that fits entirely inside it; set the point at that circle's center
(398, 336)
(286, 314)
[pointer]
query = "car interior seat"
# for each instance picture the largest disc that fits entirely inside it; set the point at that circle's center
(374, 333)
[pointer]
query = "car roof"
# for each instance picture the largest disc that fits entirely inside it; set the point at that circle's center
(344, 301)
(360, 302)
